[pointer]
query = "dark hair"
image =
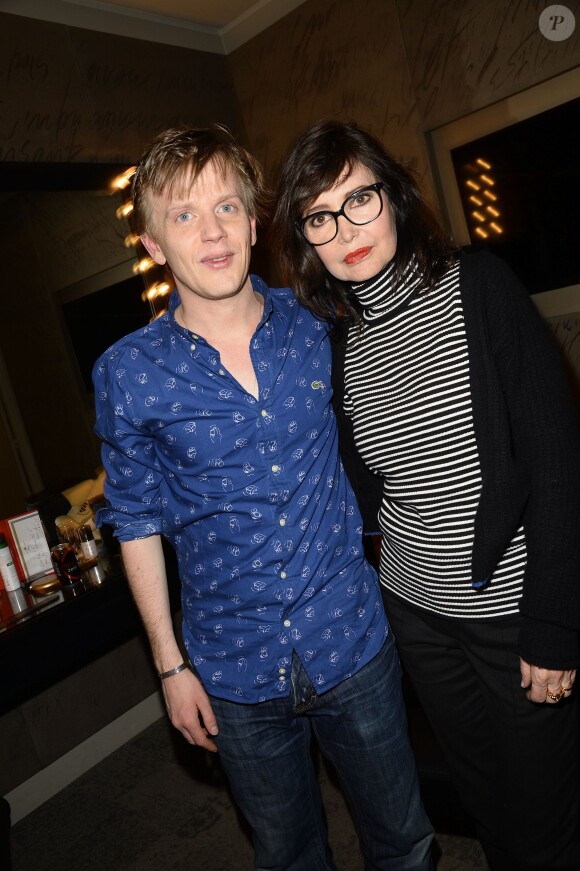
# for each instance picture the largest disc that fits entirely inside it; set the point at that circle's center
(177, 156)
(320, 158)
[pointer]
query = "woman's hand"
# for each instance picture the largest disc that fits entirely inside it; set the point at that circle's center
(546, 685)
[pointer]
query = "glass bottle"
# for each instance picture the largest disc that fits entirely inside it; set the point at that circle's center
(87, 542)
(7, 567)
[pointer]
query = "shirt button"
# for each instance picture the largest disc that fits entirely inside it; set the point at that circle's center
(287, 623)
(282, 522)
(282, 670)
(264, 413)
(282, 575)
(275, 468)
(221, 372)
(195, 336)
(281, 677)
(192, 347)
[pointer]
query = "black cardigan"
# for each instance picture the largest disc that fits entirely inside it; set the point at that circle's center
(526, 430)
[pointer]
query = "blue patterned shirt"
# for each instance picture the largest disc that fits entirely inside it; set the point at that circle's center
(251, 493)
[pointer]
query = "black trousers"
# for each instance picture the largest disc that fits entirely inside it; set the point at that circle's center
(515, 765)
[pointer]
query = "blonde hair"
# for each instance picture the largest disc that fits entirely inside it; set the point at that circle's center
(176, 157)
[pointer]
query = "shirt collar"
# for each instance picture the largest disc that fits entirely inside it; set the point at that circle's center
(258, 285)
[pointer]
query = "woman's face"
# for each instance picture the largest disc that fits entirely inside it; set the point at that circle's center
(358, 251)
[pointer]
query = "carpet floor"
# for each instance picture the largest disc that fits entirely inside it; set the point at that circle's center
(157, 804)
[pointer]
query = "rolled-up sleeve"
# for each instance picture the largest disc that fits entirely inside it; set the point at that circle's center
(128, 455)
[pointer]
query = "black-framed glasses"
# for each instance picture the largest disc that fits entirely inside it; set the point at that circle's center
(361, 207)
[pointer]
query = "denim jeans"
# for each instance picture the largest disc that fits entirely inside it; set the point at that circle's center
(361, 727)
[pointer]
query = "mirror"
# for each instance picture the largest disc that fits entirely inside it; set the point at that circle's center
(69, 290)
(61, 245)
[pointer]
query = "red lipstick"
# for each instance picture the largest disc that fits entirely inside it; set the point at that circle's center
(356, 256)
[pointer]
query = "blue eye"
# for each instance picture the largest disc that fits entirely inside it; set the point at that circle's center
(227, 208)
(183, 217)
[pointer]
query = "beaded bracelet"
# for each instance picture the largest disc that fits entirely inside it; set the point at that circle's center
(163, 674)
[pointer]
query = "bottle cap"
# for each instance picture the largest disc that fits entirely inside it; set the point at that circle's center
(44, 586)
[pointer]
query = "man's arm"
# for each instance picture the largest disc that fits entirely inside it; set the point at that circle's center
(187, 702)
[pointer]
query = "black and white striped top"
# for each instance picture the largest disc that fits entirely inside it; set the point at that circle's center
(407, 391)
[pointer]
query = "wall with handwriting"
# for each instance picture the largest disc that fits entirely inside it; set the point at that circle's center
(398, 67)
(69, 95)
(329, 58)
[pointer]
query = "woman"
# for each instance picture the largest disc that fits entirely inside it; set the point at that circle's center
(460, 407)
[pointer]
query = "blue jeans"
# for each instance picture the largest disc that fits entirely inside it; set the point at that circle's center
(361, 727)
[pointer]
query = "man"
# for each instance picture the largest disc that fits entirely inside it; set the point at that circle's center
(218, 434)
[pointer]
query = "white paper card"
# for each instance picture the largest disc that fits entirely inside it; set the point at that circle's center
(30, 541)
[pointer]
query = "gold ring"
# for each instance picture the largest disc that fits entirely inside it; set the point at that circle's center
(567, 689)
(555, 697)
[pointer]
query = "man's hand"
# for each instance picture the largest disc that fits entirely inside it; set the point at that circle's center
(542, 683)
(190, 710)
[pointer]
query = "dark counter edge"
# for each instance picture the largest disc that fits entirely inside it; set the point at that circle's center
(57, 641)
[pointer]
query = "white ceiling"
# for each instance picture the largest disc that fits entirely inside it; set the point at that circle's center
(218, 26)
(211, 13)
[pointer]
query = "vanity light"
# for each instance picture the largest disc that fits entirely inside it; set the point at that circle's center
(124, 180)
(125, 210)
(143, 265)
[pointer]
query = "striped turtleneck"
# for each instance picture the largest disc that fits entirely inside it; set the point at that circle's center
(407, 391)
(381, 298)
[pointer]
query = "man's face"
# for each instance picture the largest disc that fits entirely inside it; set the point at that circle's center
(204, 234)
